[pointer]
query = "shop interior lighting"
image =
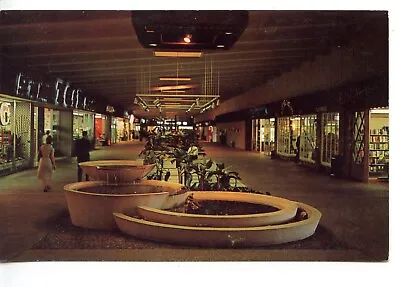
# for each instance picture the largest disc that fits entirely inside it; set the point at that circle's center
(153, 45)
(178, 54)
(380, 111)
(220, 46)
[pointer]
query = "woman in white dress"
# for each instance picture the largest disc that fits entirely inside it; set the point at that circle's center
(46, 163)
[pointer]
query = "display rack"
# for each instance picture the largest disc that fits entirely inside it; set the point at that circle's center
(379, 152)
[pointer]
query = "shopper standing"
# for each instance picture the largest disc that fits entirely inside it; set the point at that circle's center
(82, 148)
(46, 163)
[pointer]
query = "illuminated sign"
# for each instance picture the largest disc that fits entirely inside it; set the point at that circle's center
(58, 92)
(110, 109)
(5, 114)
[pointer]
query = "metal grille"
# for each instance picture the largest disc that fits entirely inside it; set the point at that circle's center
(358, 136)
(22, 134)
(330, 136)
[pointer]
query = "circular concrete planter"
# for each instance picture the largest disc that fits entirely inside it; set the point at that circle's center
(221, 236)
(287, 211)
(116, 170)
(95, 210)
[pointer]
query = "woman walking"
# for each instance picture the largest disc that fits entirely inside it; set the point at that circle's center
(46, 163)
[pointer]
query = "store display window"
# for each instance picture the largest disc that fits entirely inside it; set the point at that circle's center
(83, 121)
(308, 137)
(379, 143)
(288, 131)
(102, 132)
(263, 135)
(15, 135)
(52, 124)
(6, 134)
(330, 137)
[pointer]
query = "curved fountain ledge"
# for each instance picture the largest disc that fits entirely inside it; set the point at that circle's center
(221, 236)
(95, 210)
(116, 170)
(287, 211)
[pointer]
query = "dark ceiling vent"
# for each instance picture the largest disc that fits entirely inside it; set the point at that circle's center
(189, 30)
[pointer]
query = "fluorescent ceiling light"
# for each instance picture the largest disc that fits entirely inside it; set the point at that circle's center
(174, 79)
(172, 99)
(176, 87)
(174, 91)
(153, 45)
(220, 46)
(178, 54)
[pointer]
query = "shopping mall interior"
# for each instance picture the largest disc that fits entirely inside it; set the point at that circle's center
(266, 131)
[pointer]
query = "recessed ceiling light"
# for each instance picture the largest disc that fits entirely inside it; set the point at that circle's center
(228, 33)
(220, 46)
(153, 45)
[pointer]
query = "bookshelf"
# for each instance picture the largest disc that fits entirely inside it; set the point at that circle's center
(379, 151)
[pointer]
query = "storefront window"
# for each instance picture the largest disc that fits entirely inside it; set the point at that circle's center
(15, 135)
(308, 137)
(288, 131)
(330, 137)
(120, 129)
(6, 135)
(263, 135)
(52, 124)
(379, 143)
(284, 136)
(102, 129)
(113, 130)
(83, 121)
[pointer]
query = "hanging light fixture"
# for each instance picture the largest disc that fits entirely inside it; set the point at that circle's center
(187, 39)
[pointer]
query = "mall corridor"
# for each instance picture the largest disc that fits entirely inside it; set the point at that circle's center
(34, 226)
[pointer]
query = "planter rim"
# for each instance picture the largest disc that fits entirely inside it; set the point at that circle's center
(284, 206)
(314, 215)
(70, 188)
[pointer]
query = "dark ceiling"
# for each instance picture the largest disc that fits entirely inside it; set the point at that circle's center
(98, 51)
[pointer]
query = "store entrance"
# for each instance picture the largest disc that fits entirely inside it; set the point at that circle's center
(379, 144)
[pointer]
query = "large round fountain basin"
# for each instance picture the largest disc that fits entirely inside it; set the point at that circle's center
(116, 170)
(91, 204)
(221, 236)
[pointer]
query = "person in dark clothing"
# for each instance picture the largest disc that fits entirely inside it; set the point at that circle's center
(82, 148)
(297, 159)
